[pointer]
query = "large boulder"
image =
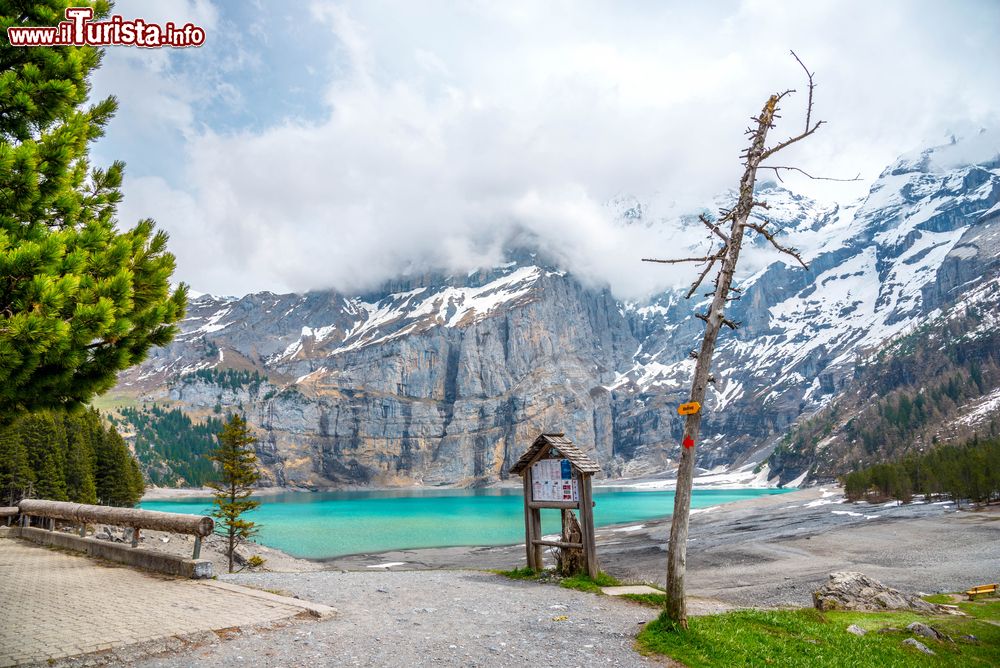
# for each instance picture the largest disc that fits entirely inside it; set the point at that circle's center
(856, 591)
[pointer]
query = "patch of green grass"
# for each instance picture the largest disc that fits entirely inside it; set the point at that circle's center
(580, 582)
(807, 637)
(944, 599)
(112, 401)
(982, 609)
(519, 573)
(583, 582)
(652, 600)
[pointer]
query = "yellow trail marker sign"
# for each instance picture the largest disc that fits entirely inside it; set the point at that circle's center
(690, 408)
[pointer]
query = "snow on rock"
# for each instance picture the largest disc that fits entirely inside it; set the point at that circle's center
(798, 481)
(447, 307)
(987, 407)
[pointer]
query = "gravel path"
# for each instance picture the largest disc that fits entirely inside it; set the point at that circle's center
(432, 618)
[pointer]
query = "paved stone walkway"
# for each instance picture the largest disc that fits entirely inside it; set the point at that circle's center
(55, 604)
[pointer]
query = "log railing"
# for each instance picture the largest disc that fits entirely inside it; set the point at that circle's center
(9, 512)
(84, 514)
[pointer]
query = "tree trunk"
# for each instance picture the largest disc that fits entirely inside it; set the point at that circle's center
(676, 606)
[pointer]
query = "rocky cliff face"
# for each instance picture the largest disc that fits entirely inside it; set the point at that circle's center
(446, 379)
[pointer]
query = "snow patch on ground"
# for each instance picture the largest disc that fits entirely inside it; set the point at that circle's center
(989, 405)
(798, 481)
(718, 478)
(629, 529)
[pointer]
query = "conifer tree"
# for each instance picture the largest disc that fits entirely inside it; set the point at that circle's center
(15, 472)
(44, 439)
(80, 486)
(237, 463)
(117, 476)
(80, 300)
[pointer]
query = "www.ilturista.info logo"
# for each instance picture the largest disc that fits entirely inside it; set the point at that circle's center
(79, 30)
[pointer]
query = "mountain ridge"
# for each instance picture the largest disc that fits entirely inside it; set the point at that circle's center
(438, 378)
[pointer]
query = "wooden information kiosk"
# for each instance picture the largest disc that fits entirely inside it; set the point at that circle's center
(556, 474)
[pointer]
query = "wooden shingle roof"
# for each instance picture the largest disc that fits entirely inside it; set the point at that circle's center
(577, 458)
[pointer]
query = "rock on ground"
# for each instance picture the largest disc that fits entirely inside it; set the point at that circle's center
(919, 629)
(848, 590)
(916, 644)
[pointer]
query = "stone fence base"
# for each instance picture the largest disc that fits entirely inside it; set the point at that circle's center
(138, 557)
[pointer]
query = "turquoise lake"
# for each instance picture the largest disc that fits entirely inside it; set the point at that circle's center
(319, 525)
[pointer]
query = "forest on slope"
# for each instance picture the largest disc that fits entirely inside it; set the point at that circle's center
(935, 385)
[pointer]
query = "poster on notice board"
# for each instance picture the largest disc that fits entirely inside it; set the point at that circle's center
(552, 480)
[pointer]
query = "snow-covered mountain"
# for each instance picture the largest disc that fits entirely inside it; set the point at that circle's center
(439, 378)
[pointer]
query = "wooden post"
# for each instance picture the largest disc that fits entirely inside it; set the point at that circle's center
(528, 536)
(197, 547)
(536, 535)
(587, 524)
(135, 536)
(83, 530)
(52, 524)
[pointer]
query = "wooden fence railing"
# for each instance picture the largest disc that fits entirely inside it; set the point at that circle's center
(83, 514)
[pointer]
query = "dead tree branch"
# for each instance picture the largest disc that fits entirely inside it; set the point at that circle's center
(681, 260)
(714, 227)
(809, 75)
(809, 107)
(802, 171)
(760, 229)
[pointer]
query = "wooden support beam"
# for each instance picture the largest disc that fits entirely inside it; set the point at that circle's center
(559, 505)
(536, 535)
(587, 524)
(557, 543)
(526, 480)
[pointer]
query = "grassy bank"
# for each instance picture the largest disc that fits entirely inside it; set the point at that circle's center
(807, 637)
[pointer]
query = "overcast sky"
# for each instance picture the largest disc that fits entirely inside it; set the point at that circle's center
(333, 145)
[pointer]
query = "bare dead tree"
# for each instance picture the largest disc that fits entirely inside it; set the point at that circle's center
(726, 257)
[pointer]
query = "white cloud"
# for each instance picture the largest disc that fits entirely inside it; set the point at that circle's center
(444, 132)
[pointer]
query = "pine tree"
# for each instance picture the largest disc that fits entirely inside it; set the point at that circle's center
(44, 439)
(80, 486)
(16, 478)
(237, 462)
(79, 299)
(116, 471)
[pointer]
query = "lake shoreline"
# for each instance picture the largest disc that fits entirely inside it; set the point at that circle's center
(663, 482)
(327, 526)
(468, 556)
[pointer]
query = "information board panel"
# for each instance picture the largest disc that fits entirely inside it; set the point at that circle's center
(552, 480)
